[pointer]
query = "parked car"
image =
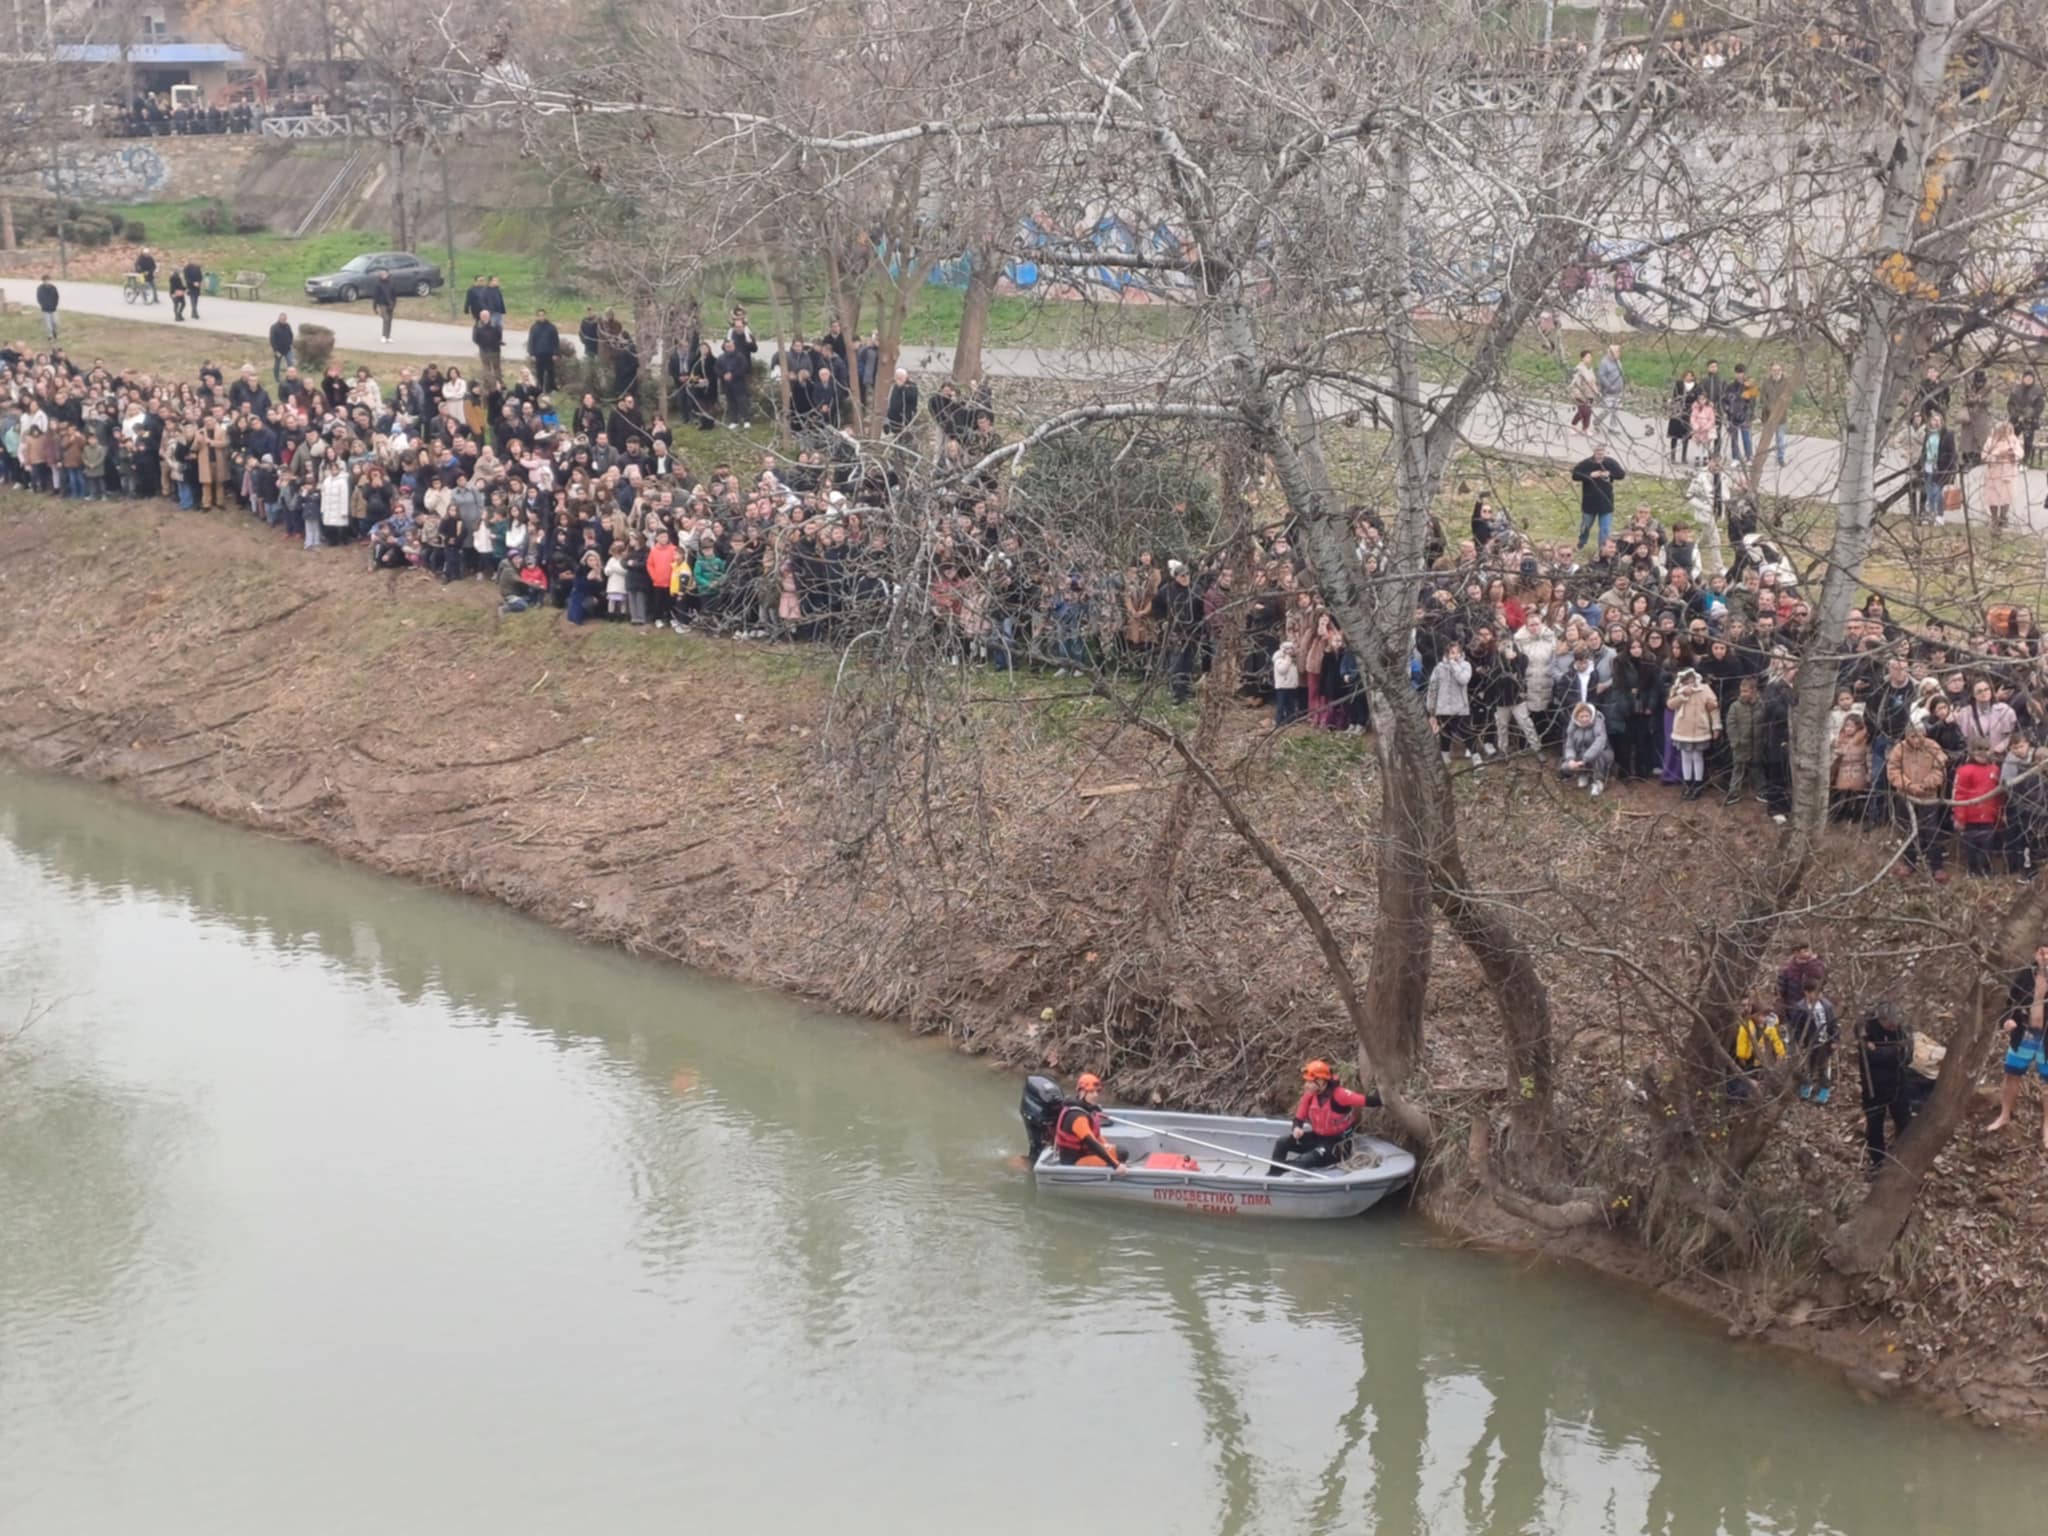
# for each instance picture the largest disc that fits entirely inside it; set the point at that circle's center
(357, 277)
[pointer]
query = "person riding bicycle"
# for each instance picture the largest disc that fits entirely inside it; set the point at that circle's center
(145, 268)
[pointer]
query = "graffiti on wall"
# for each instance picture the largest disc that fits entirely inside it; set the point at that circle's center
(125, 175)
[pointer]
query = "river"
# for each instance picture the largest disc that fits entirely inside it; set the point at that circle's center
(332, 1205)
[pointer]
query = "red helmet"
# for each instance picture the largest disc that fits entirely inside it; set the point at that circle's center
(1317, 1071)
(1087, 1082)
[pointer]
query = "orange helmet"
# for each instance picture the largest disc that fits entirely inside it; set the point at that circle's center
(1087, 1082)
(1317, 1070)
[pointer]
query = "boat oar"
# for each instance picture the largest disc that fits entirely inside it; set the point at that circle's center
(1210, 1146)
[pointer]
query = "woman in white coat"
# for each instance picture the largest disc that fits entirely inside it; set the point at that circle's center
(333, 520)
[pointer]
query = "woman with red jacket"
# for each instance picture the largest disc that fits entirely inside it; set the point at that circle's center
(1978, 803)
(1323, 1120)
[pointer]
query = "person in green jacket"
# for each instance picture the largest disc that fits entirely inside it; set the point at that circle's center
(710, 574)
(1741, 725)
(95, 467)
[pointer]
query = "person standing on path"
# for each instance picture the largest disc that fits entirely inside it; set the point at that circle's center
(384, 300)
(543, 345)
(1938, 463)
(735, 375)
(281, 340)
(1584, 390)
(1774, 395)
(1738, 407)
(2023, 409)
(1596, 474)
(1613, 383)
(1714, 390)
(46, 301)
(194, 276)
(490, 345)
(145, 268)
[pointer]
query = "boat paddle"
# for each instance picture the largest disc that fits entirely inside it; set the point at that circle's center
(1210, 1146)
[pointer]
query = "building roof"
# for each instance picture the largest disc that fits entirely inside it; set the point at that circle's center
(149, 53)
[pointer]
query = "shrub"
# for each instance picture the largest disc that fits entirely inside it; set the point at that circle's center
(315, 347)
(249, 223)
(210, 217)
(1120, 491)
(134, 233)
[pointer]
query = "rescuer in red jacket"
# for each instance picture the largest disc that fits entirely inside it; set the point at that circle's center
(1323, 1121)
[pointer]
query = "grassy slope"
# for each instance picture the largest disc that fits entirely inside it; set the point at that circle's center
(524, 273)
(532, 276)
(176, 352)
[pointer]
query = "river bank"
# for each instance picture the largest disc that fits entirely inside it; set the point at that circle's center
(666, 795)
(286, 1188)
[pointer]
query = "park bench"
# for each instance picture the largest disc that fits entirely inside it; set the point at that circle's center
(246, 285)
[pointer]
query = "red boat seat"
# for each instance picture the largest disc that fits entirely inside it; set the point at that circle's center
(1172, 1162)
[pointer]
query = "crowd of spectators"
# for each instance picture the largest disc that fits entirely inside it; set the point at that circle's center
(1639, 654)
(155, 116)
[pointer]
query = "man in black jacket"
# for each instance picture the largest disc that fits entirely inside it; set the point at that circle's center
(281, 339)
(735, 375)
(145, 268)
(384, 300)
(2023, 408)
(46, 301)
(194, 276)
(1775, 738)
(902, 403)
(1884, 1061)
(1596, 474)
(1174, 611)
(473, 305)
(543, 345)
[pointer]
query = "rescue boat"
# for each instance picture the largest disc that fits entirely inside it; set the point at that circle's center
(1212, 1165)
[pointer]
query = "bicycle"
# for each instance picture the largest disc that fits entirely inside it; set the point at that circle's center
(132, 288)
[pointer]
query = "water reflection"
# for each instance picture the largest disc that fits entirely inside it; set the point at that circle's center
(326, 1173)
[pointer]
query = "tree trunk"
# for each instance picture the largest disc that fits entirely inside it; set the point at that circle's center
(981, 292)
(401, 233)
(1737, 947)
(775, 303)
(844, 294)
(1404, 936)
(6, 224)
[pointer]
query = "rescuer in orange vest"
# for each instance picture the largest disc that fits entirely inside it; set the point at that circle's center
(1077, 1134)
(1323, 1121)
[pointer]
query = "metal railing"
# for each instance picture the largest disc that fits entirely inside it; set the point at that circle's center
(378, 125)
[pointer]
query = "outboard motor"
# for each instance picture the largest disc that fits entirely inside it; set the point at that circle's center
(1043, 1101)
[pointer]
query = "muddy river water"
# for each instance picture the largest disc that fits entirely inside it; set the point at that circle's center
(332, 1205)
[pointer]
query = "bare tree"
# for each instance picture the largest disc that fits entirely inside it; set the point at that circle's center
(1372, 227)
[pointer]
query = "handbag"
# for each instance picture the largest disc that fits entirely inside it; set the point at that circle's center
(1952, 498)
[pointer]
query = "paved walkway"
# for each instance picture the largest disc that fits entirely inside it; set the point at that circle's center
(1535, 429)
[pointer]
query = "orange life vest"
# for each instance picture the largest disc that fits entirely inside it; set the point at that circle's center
(1334, 1116)
(1078, 1129)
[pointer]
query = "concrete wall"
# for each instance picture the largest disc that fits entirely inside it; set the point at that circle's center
(148, 170)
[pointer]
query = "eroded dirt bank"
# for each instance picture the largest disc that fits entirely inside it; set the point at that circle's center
(666, 794)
